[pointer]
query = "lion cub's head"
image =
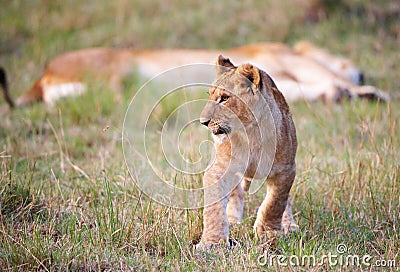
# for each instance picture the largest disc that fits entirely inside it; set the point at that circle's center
(234, 99)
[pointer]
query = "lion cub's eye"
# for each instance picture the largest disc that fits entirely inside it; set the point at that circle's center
(223, 98)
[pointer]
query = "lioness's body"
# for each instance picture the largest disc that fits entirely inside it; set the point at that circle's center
(297, 72)
(248, 117)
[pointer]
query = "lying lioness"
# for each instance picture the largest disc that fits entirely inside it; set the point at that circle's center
(300, 72)
(247, 115)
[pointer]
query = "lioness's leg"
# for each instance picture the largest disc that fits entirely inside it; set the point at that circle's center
(234, 209)
(269, 215)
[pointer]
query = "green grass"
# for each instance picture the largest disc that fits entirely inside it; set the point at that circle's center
(67, 201)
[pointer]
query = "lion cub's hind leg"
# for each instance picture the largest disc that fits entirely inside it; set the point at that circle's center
(234, 210)
(270, 213)
(288, 223)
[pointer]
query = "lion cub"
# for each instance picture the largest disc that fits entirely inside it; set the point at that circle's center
(254, 137)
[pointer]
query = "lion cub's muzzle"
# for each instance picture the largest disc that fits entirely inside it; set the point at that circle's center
(216, 126)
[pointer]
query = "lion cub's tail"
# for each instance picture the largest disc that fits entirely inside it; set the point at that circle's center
(4, 86)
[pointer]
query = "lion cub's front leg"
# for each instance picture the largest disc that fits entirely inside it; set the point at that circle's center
(215, 220)
(235, 206)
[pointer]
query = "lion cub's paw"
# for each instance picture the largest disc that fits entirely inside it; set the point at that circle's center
(263, 231)
(269, 238)
(204, 246)
(290, 227)
(270, 243)
(234, 220)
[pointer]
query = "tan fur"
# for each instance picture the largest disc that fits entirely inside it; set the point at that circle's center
(305, 72)
(237, 113)
(338, 65)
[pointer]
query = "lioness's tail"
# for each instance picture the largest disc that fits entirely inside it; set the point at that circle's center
(4, 86)
(32, 95)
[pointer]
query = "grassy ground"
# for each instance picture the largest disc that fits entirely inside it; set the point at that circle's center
(67, 201)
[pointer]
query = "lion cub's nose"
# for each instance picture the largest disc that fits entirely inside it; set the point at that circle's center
(205, 121)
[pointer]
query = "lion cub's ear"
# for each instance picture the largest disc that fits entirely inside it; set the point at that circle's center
(224, 65)
(250, 72)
